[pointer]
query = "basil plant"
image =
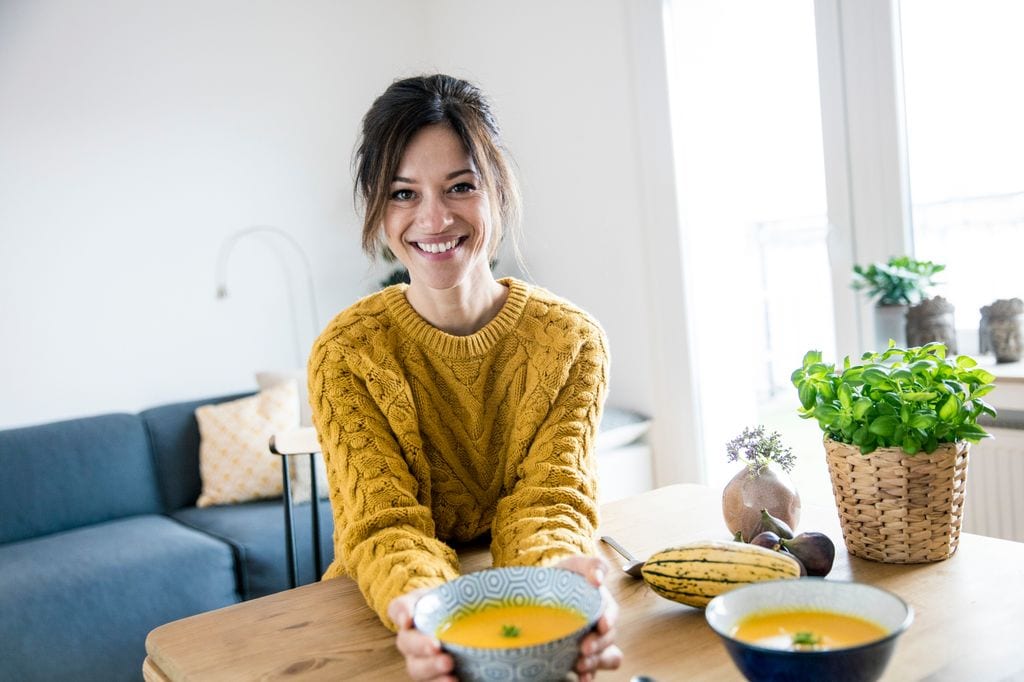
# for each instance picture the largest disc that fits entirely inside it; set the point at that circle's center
(911, 398)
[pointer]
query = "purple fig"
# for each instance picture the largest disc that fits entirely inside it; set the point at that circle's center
(794, 557)
(769, 523)
(814, 550)
(768, 540)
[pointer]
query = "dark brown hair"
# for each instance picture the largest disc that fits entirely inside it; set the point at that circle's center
(398, 114)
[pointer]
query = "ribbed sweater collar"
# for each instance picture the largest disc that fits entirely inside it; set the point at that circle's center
(449, 345)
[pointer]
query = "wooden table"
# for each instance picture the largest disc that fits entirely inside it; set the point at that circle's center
(969, 612)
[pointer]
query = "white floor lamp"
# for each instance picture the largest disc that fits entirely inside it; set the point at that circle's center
(274, 237)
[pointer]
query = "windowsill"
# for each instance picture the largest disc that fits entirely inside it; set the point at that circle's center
(1009, 393)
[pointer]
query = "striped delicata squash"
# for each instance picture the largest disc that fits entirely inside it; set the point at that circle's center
(697, 572)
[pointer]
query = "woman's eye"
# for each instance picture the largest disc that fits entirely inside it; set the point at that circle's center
(462, 187)
(402, 195)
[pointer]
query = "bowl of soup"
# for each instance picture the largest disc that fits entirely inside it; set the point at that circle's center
(809, 629)
(514, 623)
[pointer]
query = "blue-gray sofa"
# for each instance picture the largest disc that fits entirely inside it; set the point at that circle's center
(101, 541)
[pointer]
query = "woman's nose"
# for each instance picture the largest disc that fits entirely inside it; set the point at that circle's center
(433, 214)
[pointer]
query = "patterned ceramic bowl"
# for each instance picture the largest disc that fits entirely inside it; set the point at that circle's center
(861, 663)
(516, 585)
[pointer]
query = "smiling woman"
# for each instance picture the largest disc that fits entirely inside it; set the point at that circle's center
(457, 406)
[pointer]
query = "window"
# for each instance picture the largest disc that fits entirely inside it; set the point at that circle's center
(747, 121)
(812, 136)
(965, 133)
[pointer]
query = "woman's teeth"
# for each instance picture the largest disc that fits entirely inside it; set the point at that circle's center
(438, 248)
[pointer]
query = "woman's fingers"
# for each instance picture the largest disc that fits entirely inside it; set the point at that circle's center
(592, 568)
(609, 658)
(610, 612)
(424, 659)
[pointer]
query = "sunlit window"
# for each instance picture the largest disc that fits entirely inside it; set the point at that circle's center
(747, 123)
(965, 127)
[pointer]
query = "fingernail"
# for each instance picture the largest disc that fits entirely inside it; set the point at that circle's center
(599, 576)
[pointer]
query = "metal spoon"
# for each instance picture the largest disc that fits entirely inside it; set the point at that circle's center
(634, 566)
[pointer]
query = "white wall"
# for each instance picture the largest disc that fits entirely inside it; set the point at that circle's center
(135, 138)
(559, 73)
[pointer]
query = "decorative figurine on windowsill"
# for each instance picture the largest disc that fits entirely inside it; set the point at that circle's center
(931, 321)
(1002, 329)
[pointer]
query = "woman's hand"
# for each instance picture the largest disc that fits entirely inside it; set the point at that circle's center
(424, 659)
(597, 650)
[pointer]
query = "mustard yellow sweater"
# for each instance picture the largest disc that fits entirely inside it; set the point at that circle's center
(431, 438)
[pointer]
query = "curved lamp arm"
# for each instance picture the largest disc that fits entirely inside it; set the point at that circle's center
(227, 247)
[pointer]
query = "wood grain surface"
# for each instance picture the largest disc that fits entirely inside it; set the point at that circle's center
(969, 612)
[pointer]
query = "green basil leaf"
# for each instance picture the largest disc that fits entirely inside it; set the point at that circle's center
(845, 396)
(811, 357)
(923, 420)
(826, 390)
(982, 375)
(861, 407)
(920, 396)
(826, 413)
(808, 395)
(982, 390)
(899, 434)
(901, 374)
(874, 376)
(949, 409)
(911, 444)
(966, 362)
(884, 426)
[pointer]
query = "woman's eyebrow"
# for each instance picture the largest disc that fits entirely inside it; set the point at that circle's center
(453, 174)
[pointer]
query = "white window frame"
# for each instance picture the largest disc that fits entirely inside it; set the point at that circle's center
(864, 139)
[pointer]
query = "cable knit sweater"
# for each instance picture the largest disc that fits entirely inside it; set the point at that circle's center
(431, 438)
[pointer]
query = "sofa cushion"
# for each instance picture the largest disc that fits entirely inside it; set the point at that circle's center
(174, 435)
(235, 462)
(79, 604)
(74, 473)
(256, 531)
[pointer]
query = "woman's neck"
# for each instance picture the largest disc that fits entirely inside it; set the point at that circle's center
(462, 310)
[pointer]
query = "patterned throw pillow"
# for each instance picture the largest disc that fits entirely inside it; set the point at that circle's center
(235, 462)
(299, 465)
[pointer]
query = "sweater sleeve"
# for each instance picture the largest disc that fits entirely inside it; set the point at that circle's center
(551, 510)
(384, 534)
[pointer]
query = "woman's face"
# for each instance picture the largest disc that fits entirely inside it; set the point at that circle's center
(438, 218)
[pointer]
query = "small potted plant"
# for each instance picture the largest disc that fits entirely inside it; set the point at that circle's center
(895, 286)
(763, 483)
(897, 429)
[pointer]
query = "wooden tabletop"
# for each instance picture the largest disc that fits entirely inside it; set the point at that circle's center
(969, 612)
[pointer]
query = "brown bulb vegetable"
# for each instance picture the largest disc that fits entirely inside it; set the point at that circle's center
(762, 484)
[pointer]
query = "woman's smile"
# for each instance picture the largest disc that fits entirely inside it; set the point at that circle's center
(442, 248)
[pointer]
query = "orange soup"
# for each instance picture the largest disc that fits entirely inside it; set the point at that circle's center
(806, 630)
(504, 626)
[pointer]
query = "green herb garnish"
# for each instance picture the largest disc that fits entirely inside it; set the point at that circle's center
(509, 631)
(806, 639)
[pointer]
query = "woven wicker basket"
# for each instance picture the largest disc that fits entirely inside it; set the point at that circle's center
(899, 509)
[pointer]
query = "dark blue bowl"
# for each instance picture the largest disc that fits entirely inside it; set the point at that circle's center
(863, 663)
